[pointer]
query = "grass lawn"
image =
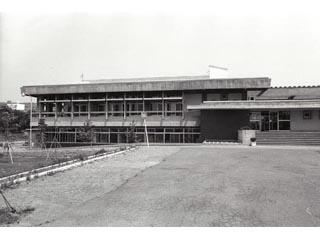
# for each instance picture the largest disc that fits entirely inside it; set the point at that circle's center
(26, 160)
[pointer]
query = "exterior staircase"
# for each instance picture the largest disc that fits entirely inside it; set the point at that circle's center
(288, 138)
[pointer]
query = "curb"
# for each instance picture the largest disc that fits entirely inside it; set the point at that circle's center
(55, 168)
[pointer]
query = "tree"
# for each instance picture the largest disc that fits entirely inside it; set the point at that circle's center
(132, 137)
(13, 120)
(6, 121)
(86, 133)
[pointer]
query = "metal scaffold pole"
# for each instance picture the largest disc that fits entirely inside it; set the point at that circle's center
(30, 130)
(146, 131)
(144, 116)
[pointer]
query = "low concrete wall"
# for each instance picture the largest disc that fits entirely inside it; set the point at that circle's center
(244, 136)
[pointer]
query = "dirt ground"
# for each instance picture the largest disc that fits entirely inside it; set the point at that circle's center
(26, 160)
(181, 186)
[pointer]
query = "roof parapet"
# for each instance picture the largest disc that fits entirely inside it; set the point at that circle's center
(169, 85)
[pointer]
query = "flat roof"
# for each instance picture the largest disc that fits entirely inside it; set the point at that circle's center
(256, 104)
(165, 84)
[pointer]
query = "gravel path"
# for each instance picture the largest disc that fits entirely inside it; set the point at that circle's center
(51, 196)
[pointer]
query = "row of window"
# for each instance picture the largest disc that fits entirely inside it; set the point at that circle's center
(113, 95)
(270, 120)
(224, 96)
(210, 96)
(275, 120)
(115, 108)
(122, 135)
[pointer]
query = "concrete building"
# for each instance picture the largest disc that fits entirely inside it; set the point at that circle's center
(187, 109)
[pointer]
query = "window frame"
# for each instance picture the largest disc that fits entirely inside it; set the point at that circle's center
(305, 114)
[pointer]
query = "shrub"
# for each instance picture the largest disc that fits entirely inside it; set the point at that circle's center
(122, 148)
(81, 157)
(101, 151)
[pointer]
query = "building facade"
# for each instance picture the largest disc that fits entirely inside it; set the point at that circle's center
(188, 109)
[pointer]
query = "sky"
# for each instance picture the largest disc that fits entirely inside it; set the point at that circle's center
(269, 39)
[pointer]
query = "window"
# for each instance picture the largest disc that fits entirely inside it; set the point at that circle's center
(153, 107)
(213, 97)
(101, 107)
(284, 120)
(179, 107)
(235, 96)
(307, 114)
(80, 108)
(255, 120)
(174, 108)
(266, 120)
(284, 115)
(115, 109)
(134, 108)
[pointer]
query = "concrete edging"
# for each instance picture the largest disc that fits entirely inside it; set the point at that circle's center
(55, 168)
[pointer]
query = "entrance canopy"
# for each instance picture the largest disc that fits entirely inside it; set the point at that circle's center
(257, 104)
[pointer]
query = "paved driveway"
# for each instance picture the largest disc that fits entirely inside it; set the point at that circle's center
(212, 186)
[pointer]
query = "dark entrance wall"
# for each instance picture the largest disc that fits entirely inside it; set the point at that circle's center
(222, 124)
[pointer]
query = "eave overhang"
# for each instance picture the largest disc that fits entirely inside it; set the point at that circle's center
(257, 104)
(203, 84)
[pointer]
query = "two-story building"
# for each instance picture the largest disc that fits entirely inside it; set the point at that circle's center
(187, 109)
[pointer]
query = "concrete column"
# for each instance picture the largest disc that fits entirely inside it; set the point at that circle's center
(124, 106)
(183, 136)
(39, 107)
(143, 103)
(56, 110)
(89, 107)
(106, 108)
(163, 105)
(72, 109)
(183, 109)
